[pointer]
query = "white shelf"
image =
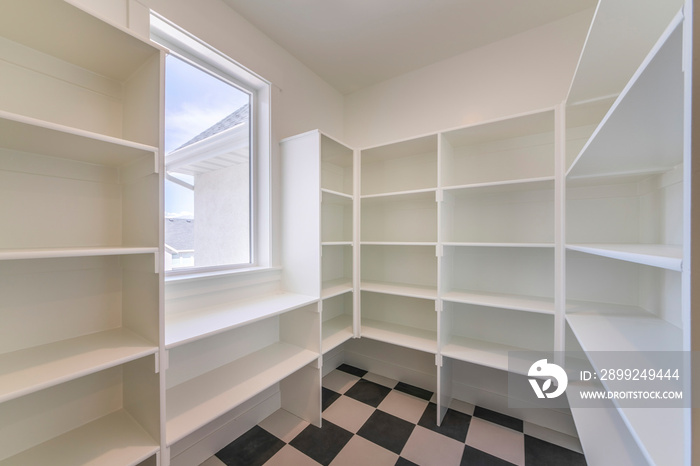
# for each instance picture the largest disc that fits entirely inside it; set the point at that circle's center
(28, 134)
(336, 196)
(499, 245)
(401, 335)
(398, 243)
(336, 287)
(484, 353)
(29, 370)
(507, 186)
(195, 403)
(655, 255)
(185, 327)
(110, 51)
(55, 253)
(644, 127)
(502, 301)
(600, 424)
(659, 432)
(115, 439)
(610, 327)
(412, 291)
(410, 195)
(336, 331)
(336, 243)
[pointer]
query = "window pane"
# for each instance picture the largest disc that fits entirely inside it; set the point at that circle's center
(207, 191)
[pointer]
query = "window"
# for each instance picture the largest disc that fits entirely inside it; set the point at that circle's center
(216, 158)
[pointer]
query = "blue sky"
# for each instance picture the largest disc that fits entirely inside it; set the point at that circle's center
(194, 101)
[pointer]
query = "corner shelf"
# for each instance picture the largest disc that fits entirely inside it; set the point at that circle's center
(186, 327)
(400, 335)
(337, 287)
(335, 332)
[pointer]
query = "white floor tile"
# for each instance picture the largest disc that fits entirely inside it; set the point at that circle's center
(289, 456)
(348, 413)
(283, 425)
(428, 448)
(497, 440)
(339, 381)
(360, 451)
(403, 406)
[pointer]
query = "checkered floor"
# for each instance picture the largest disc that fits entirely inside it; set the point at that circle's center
(371, 420)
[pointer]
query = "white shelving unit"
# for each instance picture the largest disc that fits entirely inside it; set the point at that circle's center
(627, 236)
(80, 246)
(325, 172)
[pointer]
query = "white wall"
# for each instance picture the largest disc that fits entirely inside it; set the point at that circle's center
(526, 72)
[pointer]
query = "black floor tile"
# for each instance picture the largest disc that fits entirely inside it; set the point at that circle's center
(386, 431)
(352, 370)
(328, 396)
(404, 462)
(454, 425)
(253, 448)
(498, 418)
(475, 457)
(413, 390)
(368, 392)
(541, 453)
(323, 444)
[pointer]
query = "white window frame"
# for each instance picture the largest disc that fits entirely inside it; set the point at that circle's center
(192, 50)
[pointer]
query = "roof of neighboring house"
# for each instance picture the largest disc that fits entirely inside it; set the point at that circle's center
(239, 116)
(179, 233)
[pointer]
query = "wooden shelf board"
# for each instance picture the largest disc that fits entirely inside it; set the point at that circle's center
(401, 335)
(185, 327)
(335, 287)
(55, 253)
(484, 353)
(115, 439)
(502, 300)
(336, 331)
(610, 327)
(655, 255)
(29, 370)
(412, 291)
(28, 134)
(196, 402)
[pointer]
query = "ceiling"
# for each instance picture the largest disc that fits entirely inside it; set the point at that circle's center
(352, 44)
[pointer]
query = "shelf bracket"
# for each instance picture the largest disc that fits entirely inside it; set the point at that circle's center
(438, 195)
(439, 250)
(438, 360)
(438, 305)
(156, 261)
